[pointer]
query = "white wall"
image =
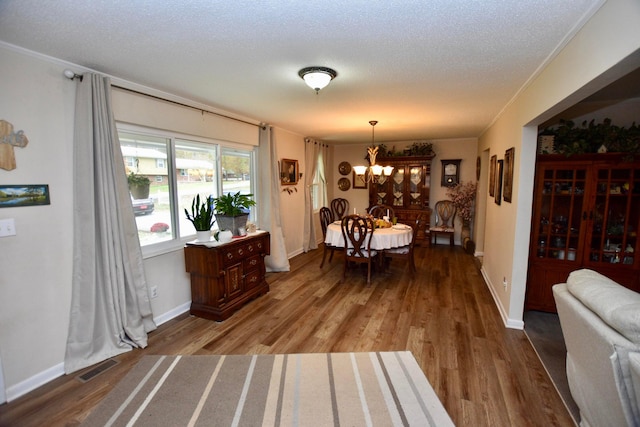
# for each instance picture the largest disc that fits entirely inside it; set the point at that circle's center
(595, 57)
(445, 149)
(36, 264)
(291, 146)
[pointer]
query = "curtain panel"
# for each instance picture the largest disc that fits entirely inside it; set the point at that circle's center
(269, 201)
(313, 151)
(110, 306)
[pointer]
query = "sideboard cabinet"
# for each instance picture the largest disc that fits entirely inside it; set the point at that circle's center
(406, 190)
(586, 214)
(227, 276)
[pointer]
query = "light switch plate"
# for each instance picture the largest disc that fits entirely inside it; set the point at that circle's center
(7, 227)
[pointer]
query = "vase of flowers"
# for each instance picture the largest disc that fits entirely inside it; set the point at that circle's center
(463, 196)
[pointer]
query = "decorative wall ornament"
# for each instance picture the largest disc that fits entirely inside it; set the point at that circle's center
(8, 140)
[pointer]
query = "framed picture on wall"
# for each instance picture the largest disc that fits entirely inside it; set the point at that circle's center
(508, 174)
(359, 181)
(498, 189)
(288, 172)
(14, 196)
(492, 176)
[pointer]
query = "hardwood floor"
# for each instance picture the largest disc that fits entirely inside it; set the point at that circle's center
(484, 374)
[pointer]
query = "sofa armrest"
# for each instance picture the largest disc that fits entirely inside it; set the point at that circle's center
(596, 354)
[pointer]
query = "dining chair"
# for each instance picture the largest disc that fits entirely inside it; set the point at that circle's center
(445, 216)
(357, 231)
(339, 207)
(326, 218)
(422, 228)
(406, 252)
(378, 211)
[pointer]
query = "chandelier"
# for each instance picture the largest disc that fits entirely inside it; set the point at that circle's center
(373, 172)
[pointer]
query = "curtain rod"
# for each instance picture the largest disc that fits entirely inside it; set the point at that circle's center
(184, 105)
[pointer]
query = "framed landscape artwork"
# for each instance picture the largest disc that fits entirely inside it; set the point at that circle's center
(12, 196)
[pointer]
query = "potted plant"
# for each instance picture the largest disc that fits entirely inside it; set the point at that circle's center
(138, 186)
(201, 217)
(232, 211)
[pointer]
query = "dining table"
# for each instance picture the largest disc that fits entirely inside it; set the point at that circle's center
(396, 236)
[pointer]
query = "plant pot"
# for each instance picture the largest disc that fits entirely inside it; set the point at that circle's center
(203, 236)
(236, 224)
(139, 191)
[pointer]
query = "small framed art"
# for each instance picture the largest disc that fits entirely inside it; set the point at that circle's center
(508, 174)
(492, 175)
(498, 188)
(359, 181)
(12, 196)
(288, 172)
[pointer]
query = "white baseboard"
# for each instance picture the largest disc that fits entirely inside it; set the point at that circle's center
(177, 311)
(56, 371)
(30, 384)
(509, 323)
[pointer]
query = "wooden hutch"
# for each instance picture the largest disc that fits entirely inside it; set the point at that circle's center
(406, 190)
(586, 214)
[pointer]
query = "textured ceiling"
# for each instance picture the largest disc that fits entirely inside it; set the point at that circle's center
(424, 69)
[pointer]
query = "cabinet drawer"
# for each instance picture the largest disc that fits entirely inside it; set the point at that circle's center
(252, 279)
(252, 263)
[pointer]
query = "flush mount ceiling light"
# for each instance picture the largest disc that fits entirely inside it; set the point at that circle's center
(317, 77)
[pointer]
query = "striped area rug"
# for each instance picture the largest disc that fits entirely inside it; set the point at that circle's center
(324, 389)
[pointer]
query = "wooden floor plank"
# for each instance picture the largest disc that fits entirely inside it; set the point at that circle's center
(485, 374)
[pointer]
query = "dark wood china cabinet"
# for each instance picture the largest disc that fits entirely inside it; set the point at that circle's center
(586, 214)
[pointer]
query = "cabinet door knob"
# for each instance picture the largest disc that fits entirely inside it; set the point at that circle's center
(584, 215)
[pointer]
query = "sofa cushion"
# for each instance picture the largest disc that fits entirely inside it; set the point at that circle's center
(616, 305)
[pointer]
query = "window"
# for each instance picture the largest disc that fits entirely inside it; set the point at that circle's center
(178, 169)
(318, 188)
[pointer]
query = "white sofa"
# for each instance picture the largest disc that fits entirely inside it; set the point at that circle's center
(600, 321)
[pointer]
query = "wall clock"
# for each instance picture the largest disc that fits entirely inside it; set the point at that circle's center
(450, 172)
(344, 168)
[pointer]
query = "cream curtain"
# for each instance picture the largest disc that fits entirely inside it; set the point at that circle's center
(269, 200)
(110, 307)
(313, 151)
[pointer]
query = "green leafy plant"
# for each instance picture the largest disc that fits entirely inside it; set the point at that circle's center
(138, 180)
(201, 215)
(233, 204)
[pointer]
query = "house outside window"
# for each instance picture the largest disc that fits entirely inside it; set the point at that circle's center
(183, 168)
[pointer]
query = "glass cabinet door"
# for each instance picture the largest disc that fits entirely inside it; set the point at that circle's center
(381, 189)
(561, 197)
(397, 183)
(416, 176)
(614, 217)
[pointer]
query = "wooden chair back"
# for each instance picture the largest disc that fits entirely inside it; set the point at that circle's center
(326, 218)
(339, 207)
(445, 213)
(356, 230)
(378, 211)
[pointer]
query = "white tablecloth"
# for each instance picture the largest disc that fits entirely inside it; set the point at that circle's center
(383, 238)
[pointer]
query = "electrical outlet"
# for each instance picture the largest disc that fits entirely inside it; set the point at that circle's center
(7, 227)
(154, 292)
